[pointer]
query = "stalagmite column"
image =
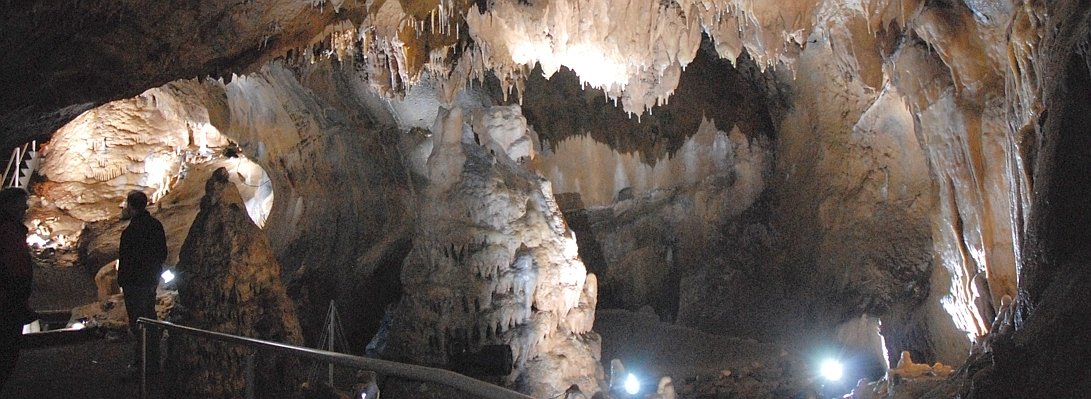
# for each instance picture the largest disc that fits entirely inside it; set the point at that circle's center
(229, 282)
(494, 264)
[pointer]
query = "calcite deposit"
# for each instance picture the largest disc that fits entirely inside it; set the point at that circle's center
(494, 263)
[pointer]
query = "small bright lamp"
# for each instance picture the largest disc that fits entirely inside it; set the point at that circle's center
(78, 326)
(632, 386)
(831, 370)
(168, 276)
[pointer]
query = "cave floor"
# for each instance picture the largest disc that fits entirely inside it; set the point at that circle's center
(96, 368)
(699, 363)
(58, 285)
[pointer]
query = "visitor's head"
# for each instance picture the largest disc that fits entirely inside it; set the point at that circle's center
(13, 204)
(135, 203)
(136, 200)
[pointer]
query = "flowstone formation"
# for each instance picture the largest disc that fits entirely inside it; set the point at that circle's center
(151, 142)
(229, 282)
(493, 263)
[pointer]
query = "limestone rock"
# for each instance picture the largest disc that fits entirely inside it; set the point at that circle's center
(344, 211)
(925, 142)
(493, 263)
(110, 312)
(505, 133)
(106, 281)
(229, 282)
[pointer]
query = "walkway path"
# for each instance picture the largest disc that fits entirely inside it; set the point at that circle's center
(93, 369)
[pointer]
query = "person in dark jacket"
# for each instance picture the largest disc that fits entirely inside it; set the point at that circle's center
(16, 278)
(141, 254)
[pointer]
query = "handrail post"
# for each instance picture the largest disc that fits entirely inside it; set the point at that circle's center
(144, 361)
(332, 334)
(8, 168)
(13, 165)
(250, 375)
(18, 165)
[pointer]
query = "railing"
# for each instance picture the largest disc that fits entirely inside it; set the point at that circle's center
(15, 164)
(413, 372)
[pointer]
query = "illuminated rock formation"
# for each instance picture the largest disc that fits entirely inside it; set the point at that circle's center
(229, 282)
(493, 263)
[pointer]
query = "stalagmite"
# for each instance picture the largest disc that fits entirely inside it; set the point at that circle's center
(529, 279)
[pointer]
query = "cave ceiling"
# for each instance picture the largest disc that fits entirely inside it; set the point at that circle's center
(62, 58)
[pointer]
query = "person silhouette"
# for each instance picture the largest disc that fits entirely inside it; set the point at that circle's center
(141, 253)
(16, 278)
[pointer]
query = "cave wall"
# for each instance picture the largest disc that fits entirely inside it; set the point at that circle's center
(649, 194)
(949, 66)
(341, 225)
(151, 142)
(68, 57)
(343, 208)
(137, 143)
(894, 180)
(852, 189)
(340, 218)
(347, 208)
(777, 226)
(1045, 331)
(594, 148)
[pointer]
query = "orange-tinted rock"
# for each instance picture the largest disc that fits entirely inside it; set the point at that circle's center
(229, 282)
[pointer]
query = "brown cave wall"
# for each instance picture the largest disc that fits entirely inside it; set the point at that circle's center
(853, 196)
(949, 65)
(856, 215)
(944, 61)
(1046, 332)
(763, 246)
(89, 165)
(900, 192)
(339, 221)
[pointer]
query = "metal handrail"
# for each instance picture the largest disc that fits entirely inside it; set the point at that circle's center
(408, 371)
(16, 160)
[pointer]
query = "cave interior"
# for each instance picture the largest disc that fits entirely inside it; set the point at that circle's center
(719, 195)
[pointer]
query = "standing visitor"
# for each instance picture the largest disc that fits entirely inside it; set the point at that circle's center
(141, 254)
(16, 278)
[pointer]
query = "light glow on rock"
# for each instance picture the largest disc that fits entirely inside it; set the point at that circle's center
(632, 385)
(831, 370)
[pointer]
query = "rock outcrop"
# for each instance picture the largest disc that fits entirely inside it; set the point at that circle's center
(229, 282)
